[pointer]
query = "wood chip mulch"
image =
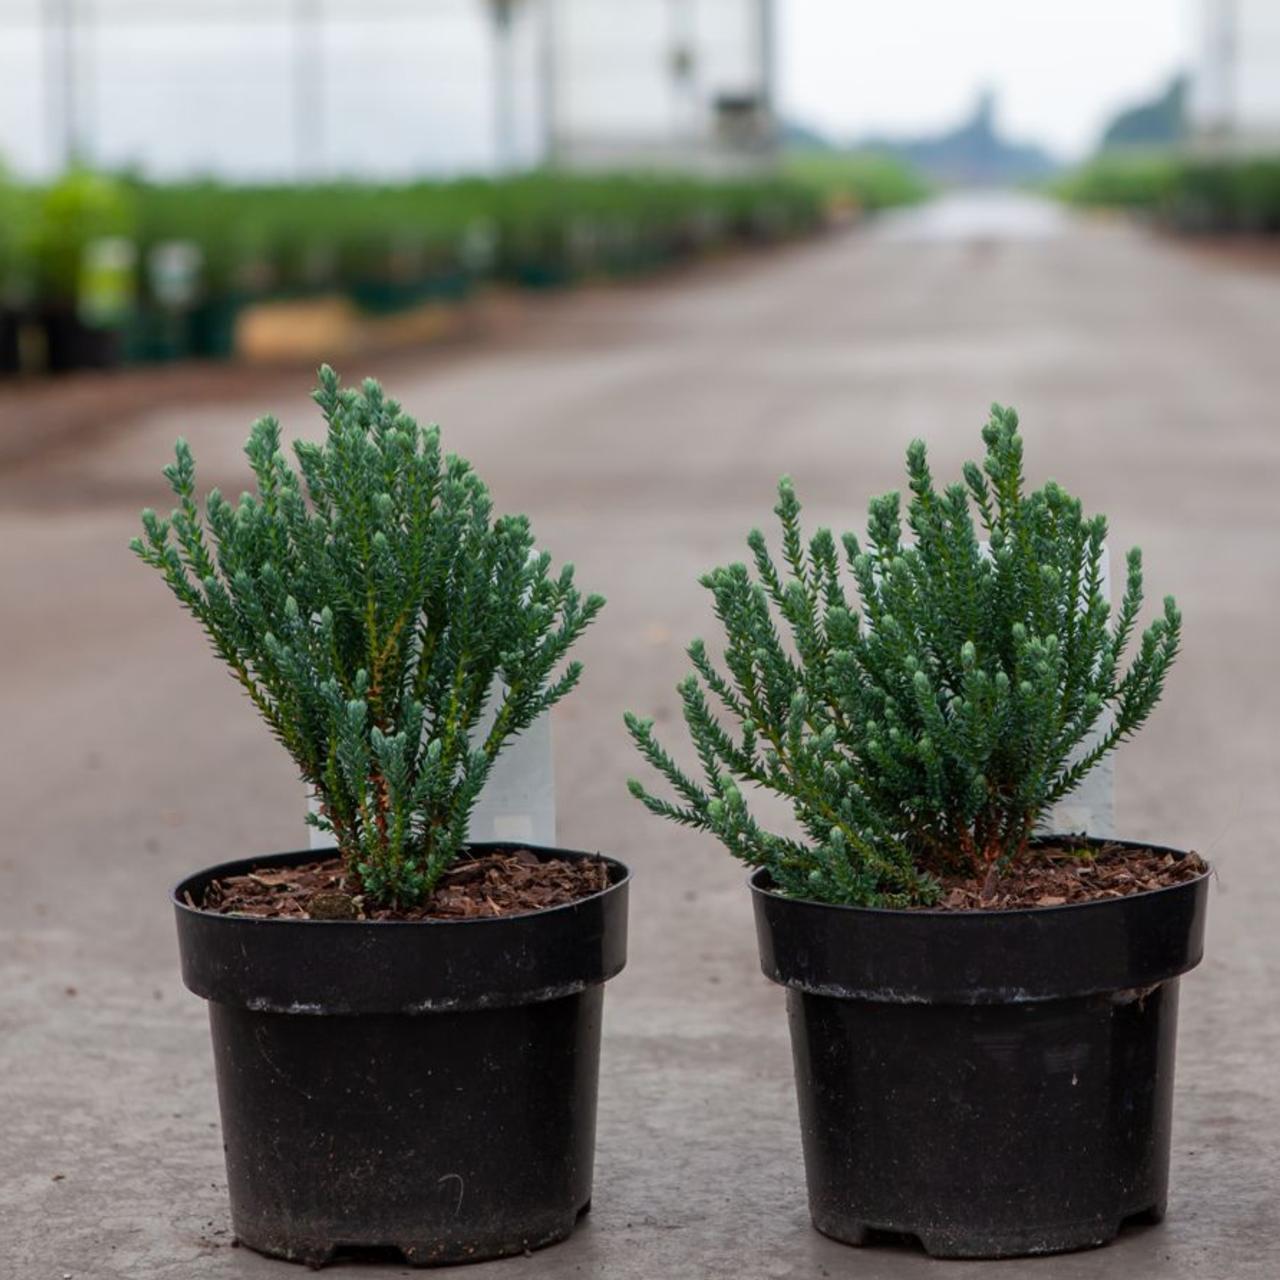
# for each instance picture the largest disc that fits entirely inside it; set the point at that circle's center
(1053, 876)
(512, 882)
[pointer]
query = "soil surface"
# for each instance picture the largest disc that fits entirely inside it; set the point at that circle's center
(1055, 875)
(505, 883)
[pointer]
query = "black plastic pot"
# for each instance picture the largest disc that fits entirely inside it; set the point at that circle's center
(993, 1083)
(70, 344)
(211, 325)
(10, 349)
(386, 297)
(425, 1087)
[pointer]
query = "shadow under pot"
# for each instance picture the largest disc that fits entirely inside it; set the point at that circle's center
(424, 1087)
(992, 1083)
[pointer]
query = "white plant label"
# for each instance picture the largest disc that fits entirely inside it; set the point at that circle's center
(518, 803)
(1091, 808)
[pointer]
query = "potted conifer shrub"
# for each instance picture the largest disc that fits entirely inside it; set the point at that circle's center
(982, 1016)
(406, 1033)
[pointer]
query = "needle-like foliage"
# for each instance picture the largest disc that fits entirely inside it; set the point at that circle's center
(929, 731)
(371, 607)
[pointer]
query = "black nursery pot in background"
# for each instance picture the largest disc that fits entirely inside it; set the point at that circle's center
(428, 1087)
(994, 1083)
(10, 346)
(70, 344)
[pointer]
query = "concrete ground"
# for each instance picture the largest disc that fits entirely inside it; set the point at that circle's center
(644, 431)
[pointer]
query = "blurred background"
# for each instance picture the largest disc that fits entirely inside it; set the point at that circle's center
(169, 169)
(639, 258)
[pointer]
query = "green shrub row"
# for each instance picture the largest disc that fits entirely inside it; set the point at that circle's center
(1227, 196)
(265, 240)
(1139, 180)
(858, 180)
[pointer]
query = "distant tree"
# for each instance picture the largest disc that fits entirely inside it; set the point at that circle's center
(974, 151)
(1157, 123)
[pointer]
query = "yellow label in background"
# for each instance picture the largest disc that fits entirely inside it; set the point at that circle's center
(106, 288)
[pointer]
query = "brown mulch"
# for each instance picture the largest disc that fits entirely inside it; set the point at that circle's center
(1055, 875)
(507, 883)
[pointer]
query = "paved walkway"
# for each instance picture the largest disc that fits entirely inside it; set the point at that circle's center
(644, 432)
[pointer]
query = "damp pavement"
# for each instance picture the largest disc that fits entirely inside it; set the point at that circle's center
(643, 430)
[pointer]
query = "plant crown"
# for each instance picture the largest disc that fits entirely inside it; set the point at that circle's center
(371, 608)
(931, 731)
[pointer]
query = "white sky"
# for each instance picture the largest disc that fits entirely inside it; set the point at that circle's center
(1060, 67)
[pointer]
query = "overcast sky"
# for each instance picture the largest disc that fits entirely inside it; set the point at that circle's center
(1060, 67)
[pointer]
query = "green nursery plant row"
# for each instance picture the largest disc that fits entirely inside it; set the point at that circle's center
(1223, 196)
(128, 254)
(861, 181)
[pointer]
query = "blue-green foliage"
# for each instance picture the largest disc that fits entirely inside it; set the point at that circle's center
(931, 730)
(371, 606)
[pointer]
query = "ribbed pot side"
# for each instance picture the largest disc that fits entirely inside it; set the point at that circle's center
(993, 1083)
(425, 1087)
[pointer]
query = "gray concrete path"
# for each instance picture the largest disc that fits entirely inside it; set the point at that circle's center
(643, 432)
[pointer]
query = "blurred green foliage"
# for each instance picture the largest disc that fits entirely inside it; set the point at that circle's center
(205, 249)
(1237, 196)
(1191, 194)
(856, 180)
(15, 212)
(1137, 180)
(537, 228)
(65, 218)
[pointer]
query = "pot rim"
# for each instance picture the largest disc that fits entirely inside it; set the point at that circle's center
(620, 874)
(360, 966)
(985, 956)
(756, 882)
